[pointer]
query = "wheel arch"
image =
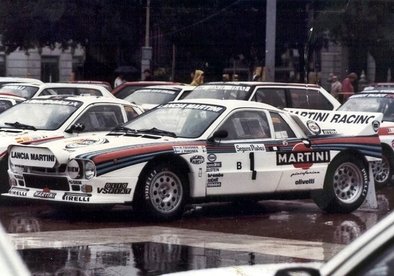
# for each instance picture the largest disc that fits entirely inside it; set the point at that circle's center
(175, 160)
(355, 154)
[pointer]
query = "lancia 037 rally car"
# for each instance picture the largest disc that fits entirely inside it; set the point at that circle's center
(54, 117)
(187, 151)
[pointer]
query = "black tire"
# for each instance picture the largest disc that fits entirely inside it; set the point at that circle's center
(4, 179)
(345, 186)
(383, 171)
(162, 193)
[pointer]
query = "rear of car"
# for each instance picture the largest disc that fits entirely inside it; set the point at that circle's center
(124, 90)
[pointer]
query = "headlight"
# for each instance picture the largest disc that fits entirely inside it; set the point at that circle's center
(78, 169)
(15, 168)
(74, 169)
(90, 170)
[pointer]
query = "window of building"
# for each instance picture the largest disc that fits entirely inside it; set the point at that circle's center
(49, 69)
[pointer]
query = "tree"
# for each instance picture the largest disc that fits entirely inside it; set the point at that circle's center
(109, 30)
(364, 26)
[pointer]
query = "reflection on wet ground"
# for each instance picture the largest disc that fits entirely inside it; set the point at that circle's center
(136, 259)
(297, 222)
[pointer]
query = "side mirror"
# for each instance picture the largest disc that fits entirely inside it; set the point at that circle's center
(219, 134)
(78, 127)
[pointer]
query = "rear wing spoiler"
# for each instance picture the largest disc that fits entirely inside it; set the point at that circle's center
(329, 122)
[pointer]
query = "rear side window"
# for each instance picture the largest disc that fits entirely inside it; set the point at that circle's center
(4, 104)
(101, 118)
(282, 129)
(309, 99)
(273, 96)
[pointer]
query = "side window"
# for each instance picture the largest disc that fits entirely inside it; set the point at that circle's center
(281, 128)
(58, 91)
(4, 105)
(247, 125)
(101, 118)
(273, 96)
(309, 99)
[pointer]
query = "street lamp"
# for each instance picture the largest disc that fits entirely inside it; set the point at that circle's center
(146, 50)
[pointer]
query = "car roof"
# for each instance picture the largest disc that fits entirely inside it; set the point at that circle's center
(169, 86)
(232, 104)
(88, 99)
(378, 91)
(261, 83)
(17, 79)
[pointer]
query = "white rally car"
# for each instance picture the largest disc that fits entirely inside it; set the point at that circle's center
(200, 150)
(55, 117)
(378, 101)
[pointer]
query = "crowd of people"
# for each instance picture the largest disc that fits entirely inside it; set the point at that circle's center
(342, 90)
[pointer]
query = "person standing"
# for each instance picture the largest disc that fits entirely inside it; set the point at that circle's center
(336, 87)
(198, 78)
(348, 85)
(119, 80)
(147, 75)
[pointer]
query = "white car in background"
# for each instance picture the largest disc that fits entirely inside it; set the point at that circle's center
(9, 101)
(53, 117)
(7, 80)
(31, 90)
(152, 96)
(278, 94)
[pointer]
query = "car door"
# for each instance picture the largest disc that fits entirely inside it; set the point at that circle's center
(241, 163)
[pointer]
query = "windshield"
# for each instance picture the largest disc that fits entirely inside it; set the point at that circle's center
(152, 96)
(224, 92)
(19, 90)
(38, 114)
(182, 119)
(371, 103)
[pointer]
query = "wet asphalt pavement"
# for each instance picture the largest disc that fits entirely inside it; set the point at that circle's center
(117, 242)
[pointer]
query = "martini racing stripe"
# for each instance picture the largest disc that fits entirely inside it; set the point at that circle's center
(365, 149)
(125, 162)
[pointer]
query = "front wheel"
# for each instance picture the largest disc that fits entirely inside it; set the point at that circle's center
(162, 192)
(345, 186)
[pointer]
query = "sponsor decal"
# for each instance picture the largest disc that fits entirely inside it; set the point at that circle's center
(307, 181)
(211, 157)
(225, 87)
(303, 173)
(85, 142)
(32, 156)
(197, 159)
(344, 117)
(249, 147)
(76, 197)
(204, 107)
(67, 103)
(313, 127)
(303, 157)
(43, 194)
(36, 157)
(375, 125)
(78, 182)
(185, 149)
(215, 175)
(114, 188)
(213, 166)
(329, 131)
(18, 191)
(213, 182)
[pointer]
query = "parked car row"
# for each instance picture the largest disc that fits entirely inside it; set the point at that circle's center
(188, 149)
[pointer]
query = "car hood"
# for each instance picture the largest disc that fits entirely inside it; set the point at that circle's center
(12, 136)
(99, 149)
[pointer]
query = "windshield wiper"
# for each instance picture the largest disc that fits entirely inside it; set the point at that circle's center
(124, 129)
(20, 125)
(157, 131)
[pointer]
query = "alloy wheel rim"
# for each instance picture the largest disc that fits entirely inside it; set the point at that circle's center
(381, 170)
(166, 192)
(348, 183)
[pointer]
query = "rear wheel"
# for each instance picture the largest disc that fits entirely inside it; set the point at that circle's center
(383, 170)
(345, 186)
(162, 192)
